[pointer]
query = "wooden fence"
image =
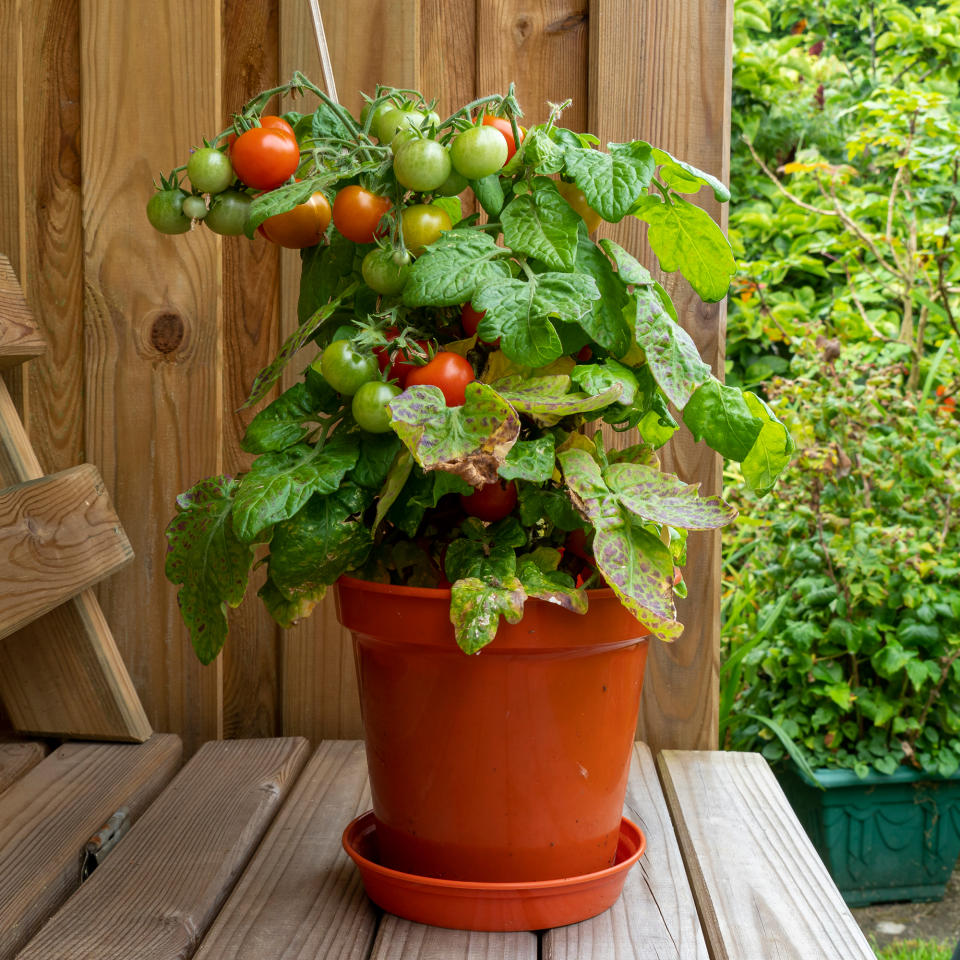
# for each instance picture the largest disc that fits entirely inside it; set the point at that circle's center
(154, 341)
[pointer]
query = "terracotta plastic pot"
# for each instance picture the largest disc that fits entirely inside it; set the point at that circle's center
(510, 765)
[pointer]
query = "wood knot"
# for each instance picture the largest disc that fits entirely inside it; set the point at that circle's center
(166, 332)
(522, 27)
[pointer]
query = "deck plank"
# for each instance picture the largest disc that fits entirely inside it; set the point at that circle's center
(761, 889)
(47, 816)
(301, 896)
(154, 897)
(16, 758)
(403, 940)
(656, 916)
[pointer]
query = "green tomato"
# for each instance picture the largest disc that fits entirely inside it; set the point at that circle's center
(382, 274)
(422, 225)
(369, 405)
(210, 170)
(345, 368)
(228, 213)
(478, 152)
(377, 113)
(454, 185)
(404, 136)
(195, 207)
(422, 165)
(390, 121)
(165, 211)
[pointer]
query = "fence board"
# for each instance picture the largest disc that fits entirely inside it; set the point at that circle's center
(153, 321)
(674, 90)
(251, 276)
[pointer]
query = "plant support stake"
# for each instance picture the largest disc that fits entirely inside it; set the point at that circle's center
(325, 63)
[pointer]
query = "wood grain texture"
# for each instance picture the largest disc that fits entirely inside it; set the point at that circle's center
(376, 42)
(58, 536)
(154, 350)
(761, 889)
(542, 47)
(661, 71)
(251, 335)
(47, 816)
(20, 339)
(157, 893)
(446, 31)
(16, 758)
(52, 268)
(402, 940)
(63, 674)
(301, 896)
(655, 917)
(11, 133)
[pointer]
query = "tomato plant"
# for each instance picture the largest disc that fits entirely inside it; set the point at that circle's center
(228, 213)
(272, 122)
(478, 152)
(210, 170)
(422, 225)
(265, 157)
(369, 405)
(357, 213)
(165, 211)
(382, 274)
(492, 501)
(470, 321)
(398, 362)
(194, 207)
(503, 125)
(303, 226)
(345, 368)
(449, 372)
(578, 200)
(422, 165)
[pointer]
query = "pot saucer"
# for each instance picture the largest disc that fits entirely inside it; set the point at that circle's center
(466, 905)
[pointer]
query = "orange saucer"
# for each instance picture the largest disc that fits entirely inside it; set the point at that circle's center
(463, 905)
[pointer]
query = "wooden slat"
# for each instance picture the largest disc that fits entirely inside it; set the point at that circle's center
(660, 71)
(656, 916)
(301, 896)
(761, 889)
(47, 816)
(251, 331)
(19, 337)
(156, 894)
(369, 43)
(402, 940)
(16, 758)
(446, 30)
(58, 536)
(152, 316)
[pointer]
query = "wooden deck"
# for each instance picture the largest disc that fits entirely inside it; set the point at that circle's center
(238, 856)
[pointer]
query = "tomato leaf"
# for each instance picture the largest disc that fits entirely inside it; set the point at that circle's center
(686, 178)
(288, 611)
(451, 269)
(555, 588)
(397, 476)
(284, 198)
(685, 238)
(319, 543)
(531, 460)
(604, 321)
(629, 269)
(771, 452)
(719, 415)
(549, 398)
(518, 312)
(490, 194)
(209, 561)
(598, 378)
(651, 495)
(612, 182)
(635, 563)
(280, 483)
(543, 225)
(471, 441)
(476, 607)
(671, 353)
(325, 273)
(281, 424)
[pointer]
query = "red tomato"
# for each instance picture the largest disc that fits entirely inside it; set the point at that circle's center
(503, 125)
(470, 320)
(275, 123)
(448, 371)
(303, 226)
(401, 365)
(265, 158)
(492, 501)
(357, 213)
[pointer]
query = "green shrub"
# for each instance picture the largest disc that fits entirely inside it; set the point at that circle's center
(843, 613)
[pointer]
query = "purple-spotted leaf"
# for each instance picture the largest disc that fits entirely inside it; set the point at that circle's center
(287, 611)
(553, 587)
(547, 399)
(476, 607)
(652, 495)
(587, 489)
(207, 558)
(471, 441)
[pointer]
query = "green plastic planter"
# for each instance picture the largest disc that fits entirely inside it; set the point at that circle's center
(886, 837)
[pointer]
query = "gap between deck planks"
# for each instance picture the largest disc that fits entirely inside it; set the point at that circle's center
(157, 893)
(762, 890)
(47, 816)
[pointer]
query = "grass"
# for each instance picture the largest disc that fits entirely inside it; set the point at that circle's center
(916, 950)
